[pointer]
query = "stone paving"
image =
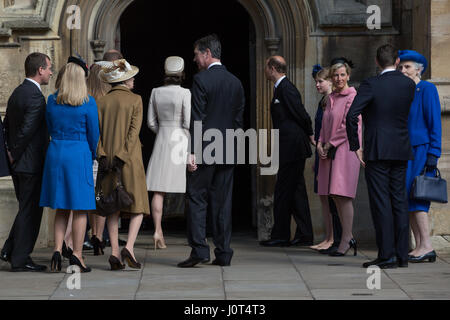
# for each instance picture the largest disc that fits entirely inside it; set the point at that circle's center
(256, 273)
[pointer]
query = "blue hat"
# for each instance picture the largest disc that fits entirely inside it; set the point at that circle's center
(316, 68)
(411, 55)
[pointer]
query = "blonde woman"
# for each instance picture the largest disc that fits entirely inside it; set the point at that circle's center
(68, 183)
(332, 225)
(97, 88)
(338, 166)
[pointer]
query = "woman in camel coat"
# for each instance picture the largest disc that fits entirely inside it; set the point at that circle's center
(120, 118)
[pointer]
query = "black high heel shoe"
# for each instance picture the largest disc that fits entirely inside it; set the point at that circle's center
(352, 244)
(66, 251)
(55, 264)
(126, 255)
(98, 246)
(73, 261)
(115, 263)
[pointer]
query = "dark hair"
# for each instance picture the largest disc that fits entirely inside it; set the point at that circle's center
(279, 65)
(33, 62)
(386, 55)
(210, 42)
(342, 60)
(177, 80)
(112, 55)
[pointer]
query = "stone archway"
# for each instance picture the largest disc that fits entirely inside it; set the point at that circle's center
(280, 27)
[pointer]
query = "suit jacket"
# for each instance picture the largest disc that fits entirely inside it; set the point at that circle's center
(218, 101)
(4, 164)
(26, 129)
(292, 120)
(384, 102)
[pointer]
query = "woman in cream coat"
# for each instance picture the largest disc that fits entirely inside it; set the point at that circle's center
(169, 116)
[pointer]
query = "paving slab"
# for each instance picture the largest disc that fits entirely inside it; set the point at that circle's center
(256, 273)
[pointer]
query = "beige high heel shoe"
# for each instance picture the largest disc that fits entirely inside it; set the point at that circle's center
(159, 242)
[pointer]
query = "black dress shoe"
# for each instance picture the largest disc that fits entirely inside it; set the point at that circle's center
(382, 263)
(29, 267)
(402, 263)
(275, 243)
(4, 256)
(87, 245)
(430, 256)
(301, 243)
(220, 263)
(191, 262)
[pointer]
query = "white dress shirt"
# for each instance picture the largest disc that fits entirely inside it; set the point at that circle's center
(214, 64)
(37, 84)
(386, 70)
(278, 82)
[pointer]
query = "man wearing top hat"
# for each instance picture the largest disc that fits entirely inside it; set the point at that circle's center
(27, 140)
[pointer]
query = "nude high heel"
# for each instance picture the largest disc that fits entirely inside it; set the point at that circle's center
(159, 242)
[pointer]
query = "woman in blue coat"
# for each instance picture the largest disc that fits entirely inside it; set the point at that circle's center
(424, 124)
(68, 182)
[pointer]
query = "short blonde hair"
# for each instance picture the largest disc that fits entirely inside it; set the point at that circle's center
(336, 66)
(73, 89)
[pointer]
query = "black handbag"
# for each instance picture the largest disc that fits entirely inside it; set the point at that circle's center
(118, 199)
(331, 153)
(429, 188)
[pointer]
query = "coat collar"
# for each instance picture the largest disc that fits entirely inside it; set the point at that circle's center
(346, 92)
(120, 88)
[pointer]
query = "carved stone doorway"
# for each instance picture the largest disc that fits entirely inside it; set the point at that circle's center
(150, 31)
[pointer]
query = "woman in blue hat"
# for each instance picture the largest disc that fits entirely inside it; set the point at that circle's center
(424, 124)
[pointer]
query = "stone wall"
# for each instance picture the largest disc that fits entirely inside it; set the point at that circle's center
(407, 24)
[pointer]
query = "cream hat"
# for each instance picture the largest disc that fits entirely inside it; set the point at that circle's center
(116, 71)
(174, 66)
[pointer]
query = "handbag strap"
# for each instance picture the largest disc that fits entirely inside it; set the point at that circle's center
(438, 173)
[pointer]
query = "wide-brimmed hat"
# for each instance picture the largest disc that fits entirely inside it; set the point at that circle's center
(411, 55)
(116, 71)
(174, 66)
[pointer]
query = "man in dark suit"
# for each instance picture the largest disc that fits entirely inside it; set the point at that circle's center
(295, 127)
(217, 103)
(384, 102)
(27, 140)
(4, 165)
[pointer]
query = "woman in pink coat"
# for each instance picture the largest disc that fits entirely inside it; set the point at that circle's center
(338, 166)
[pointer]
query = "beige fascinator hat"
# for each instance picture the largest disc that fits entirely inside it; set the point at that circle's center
(174, 66)
(116, 71)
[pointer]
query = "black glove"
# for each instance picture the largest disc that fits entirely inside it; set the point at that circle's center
(118, 163)
(103, 164)
(431, 163)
